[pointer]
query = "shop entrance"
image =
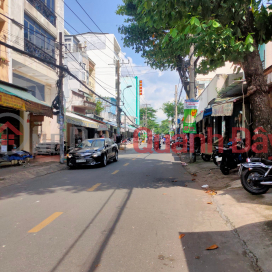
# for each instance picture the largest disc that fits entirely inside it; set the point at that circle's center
(9, 138)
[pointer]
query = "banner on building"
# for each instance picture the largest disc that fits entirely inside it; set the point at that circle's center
(222, 110)
(12, 102)
(190, 113)
(141, 87)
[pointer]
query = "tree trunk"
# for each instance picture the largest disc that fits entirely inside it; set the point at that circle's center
(258, 91)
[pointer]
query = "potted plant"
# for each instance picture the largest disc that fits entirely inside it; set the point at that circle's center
(4, 60)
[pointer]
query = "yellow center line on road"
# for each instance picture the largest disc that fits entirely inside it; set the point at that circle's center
(134, 159)
(94, 187)
(126, 164)
(46, 222)
(115, 172)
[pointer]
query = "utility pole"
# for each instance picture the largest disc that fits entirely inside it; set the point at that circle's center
(192, 72)
(145, 117)
(118, 99)
(176, 109)
(61, 110)
(125, 132)
(192, 83)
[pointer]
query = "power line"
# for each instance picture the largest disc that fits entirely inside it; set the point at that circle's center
(91, 76)
(87, 73)
(80, 35)
(86, 26)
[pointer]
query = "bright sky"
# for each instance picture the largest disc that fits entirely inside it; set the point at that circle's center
(158, 86)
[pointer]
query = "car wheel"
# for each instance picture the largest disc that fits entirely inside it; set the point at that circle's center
(104, 161)
(115, 159)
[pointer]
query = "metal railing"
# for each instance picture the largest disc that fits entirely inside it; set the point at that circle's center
(35, 50)
(44, 10)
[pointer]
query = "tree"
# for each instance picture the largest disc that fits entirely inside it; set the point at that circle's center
(99, 107)
(169, 109)
(225, 30)
(164, 127)
(147, 38)
(151, 117)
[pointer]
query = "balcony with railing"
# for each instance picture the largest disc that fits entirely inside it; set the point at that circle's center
(38, 52)
(44, 10)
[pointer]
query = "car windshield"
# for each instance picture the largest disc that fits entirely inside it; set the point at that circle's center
(99, 143)
(86, 143)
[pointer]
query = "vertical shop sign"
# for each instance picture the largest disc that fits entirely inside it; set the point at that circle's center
(190, 113)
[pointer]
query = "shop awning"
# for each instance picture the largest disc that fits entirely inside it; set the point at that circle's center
(235, 89)
(18, 98)
(78, 120)
(207, 112)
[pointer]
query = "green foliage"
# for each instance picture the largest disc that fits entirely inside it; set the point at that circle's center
(169, 109)
(164, 127)
(99, 107)
(151, 118)
(226, 30)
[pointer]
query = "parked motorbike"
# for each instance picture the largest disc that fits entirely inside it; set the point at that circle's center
(230, 160)
(256, 175)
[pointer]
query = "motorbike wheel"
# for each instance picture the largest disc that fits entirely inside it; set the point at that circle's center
(206, 157)
(249, 186)
(224, 169)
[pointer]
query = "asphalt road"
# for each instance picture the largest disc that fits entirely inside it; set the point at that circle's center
(126, 217)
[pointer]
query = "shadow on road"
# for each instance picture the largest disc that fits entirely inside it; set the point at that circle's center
(227, 257)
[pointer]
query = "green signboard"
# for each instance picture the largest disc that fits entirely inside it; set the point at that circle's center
(190, 113)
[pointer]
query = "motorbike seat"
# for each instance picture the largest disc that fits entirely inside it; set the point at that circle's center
(267, 162)
(255, 159)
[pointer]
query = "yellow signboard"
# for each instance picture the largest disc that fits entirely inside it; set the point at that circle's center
(12, 102)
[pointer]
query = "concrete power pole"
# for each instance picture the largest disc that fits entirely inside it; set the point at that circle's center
(118, 99)
(176, 109)
(61, 110)
(145, 124)
(192, 73)
(192, 84)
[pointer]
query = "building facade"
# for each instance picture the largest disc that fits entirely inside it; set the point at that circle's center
(104, 50)
(35, 30)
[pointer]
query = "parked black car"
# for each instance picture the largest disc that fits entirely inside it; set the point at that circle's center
(93, 151)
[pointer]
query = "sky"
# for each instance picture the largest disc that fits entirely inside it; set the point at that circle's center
(158, 87)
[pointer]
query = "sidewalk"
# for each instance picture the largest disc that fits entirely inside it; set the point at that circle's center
(249, 216)
(40, 166)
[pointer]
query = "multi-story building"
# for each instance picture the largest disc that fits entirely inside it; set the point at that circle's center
(104, 50)
(4, 52)
(33, 27)
(78, 98)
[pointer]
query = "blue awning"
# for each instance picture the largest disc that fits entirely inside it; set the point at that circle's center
(207, 112)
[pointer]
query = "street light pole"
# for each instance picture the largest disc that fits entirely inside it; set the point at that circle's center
(129, 86)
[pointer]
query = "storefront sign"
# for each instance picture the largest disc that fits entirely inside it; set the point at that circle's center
(190, 113)
(4, 148)
(222, 110)
(12, 102)
(102, 128)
